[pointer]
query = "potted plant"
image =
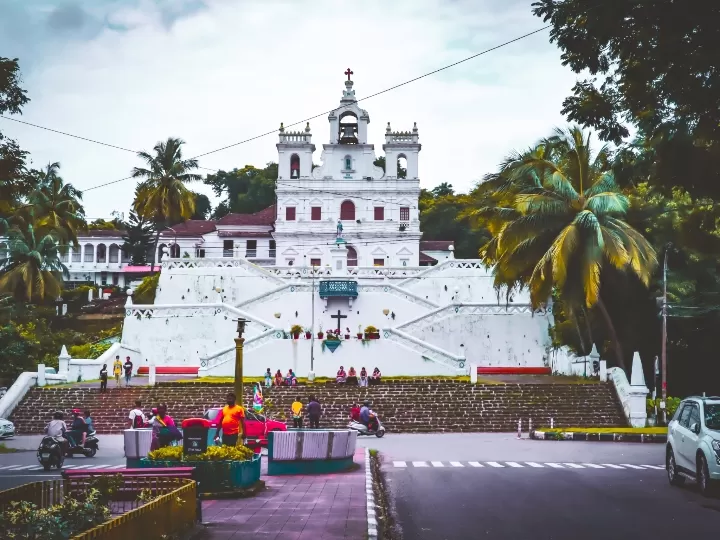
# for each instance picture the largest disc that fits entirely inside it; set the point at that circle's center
(308, 334)
(295, 330)
(332, 341)
(320, 332)
(371, 332)
(359, 332)
(347, 333)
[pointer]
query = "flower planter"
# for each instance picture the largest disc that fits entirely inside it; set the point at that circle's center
(216, 476)
(359, 335)
(308, 335)
(331, 344)
(347, 336)
(320, 335)
(296, 335)
(374, 335)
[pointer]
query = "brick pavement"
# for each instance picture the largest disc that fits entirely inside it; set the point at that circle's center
(328, 506)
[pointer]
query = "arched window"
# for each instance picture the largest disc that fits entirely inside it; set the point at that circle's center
(76, 254)
(347, 163)
(351, 257)
(348, 128)
(175, 251)
(101, 253)
(89, 253)
(347, 211)
(294, 166)
(160, 254)
(114, 253)
(402, 166)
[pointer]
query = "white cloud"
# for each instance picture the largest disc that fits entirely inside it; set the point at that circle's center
(235, 69)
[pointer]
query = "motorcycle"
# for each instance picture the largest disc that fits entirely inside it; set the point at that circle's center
(50, 453)
(376, 428)
(89, 449)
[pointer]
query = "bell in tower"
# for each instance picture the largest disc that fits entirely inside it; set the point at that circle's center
(348, 129)
(295, 166)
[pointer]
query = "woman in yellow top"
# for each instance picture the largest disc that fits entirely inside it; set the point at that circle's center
(117, 370)
(297, 408)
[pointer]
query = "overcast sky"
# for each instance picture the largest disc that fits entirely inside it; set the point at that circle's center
(215, 72)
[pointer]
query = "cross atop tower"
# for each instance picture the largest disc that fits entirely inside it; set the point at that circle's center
(349, 72)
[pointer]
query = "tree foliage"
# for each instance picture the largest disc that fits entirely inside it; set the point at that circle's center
(245, 191)
(138, 239)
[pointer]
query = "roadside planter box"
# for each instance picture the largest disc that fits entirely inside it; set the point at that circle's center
(316, 451)
(216, 476)
(137, 445)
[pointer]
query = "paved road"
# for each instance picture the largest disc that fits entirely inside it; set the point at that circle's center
(493, 486)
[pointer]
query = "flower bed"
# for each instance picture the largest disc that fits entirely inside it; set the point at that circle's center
(221, 469)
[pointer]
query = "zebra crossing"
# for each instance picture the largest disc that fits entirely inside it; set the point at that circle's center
(36, 467)
(520, 465)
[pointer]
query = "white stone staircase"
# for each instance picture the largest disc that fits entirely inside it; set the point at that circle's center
(426, 350)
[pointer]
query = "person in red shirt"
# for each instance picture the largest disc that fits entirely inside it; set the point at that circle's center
(232, 422)
(355, 412)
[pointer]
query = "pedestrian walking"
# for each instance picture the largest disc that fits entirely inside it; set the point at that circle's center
(136, 418)
(314, 412)
(296, 409)
(103, 378)
(128, 367)
(232, 422)
(117, 370)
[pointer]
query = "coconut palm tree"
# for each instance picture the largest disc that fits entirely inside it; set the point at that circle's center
(55, 206)
(31, 270)
(557, 220)
(163, 197)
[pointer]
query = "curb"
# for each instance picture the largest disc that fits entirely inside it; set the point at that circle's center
(371, 521)
(589, 436)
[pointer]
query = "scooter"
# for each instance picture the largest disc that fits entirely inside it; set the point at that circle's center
(89, 449)
(50, 453)
(378, 429)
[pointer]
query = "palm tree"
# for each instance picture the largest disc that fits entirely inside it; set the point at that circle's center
(138, 238)
(55, 206)
(31, 270)
(163, 197)
(557, 220)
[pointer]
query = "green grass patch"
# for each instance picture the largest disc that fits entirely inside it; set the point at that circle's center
(5, 450)
(643, 431)
(325, 380)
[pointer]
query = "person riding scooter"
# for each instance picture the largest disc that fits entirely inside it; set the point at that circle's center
(367, 417)
(58, 429)
(78, 429)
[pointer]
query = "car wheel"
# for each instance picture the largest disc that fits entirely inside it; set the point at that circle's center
(671, 468)
(705, 484)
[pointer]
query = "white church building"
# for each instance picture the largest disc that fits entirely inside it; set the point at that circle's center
(341, 250)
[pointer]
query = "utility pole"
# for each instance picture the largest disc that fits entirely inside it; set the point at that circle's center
(311, 375)
(664, 336)
(239, 342)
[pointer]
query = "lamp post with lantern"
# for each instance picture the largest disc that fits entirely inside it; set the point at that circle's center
(239, 341)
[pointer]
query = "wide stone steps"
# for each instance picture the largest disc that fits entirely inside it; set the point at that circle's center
(422, 406)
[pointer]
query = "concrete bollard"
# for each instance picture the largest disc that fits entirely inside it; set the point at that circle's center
(519, 428)
(530, 427)
(41, 375)
(552, 423)
(473, 374)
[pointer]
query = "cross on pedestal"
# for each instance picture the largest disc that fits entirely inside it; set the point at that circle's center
(339, 318)
(349, 72)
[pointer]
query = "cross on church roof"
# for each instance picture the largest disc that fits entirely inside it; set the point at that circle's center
(349, 72)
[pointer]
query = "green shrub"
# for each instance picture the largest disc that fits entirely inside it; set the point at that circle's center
(671, 405)
(145, 293)
(213, 453)
(89, 351)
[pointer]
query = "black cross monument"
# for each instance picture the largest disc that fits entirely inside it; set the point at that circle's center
(339, 318)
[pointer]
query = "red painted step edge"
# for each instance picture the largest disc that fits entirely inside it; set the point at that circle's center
(169, 370)
(509, 370)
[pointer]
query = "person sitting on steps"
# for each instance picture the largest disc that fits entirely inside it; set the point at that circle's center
(341, 376)
(278, 378)
(376, 376)
(352, 377)
(363, 377)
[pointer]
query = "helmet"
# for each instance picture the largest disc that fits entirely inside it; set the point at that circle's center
(76, 411)
(366, 403)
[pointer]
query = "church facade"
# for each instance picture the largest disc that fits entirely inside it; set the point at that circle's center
(347, 259)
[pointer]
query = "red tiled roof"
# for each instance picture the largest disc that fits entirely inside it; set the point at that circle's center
(426, 258)
(191, 227)
(263, 217)
(435, 245)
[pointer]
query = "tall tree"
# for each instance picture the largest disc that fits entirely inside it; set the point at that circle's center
(31, 271)
(138, 238)
(202, 207)
(246, 191)
(557, 220)
(163, 197)
(56, 206)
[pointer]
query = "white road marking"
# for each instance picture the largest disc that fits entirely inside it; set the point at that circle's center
(495, 464)
(536, 465)
(475, 464)
(99, 466)
(593, 465)
(399, 464)
(574, 465)
(555, 465)
(456, 464)
(7, 467)
(419, 464)
(23, 467)
(117, 467)
(632, 466)
(655, 467)
(612, 466)
(83, 467)
(437, 463)
(513, 464)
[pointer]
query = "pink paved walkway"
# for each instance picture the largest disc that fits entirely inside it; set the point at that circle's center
(328, 506)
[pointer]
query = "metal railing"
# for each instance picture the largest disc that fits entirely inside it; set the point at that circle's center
(41, 494)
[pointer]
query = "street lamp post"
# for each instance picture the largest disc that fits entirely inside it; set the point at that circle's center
(239, 341)
(311, 375)
(664, 336)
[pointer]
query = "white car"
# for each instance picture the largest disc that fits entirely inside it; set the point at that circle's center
(7, 428)
(693, 443)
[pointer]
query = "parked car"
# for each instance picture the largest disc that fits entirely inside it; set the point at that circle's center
(7, 429)
(693, 444)
(257, 425)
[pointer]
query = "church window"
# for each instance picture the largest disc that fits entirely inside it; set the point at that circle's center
(404, 213)
(272, 248)
(348, 163)
(378, 262)
(295, 166)
(316, 213)
(315, 262)
(250, 248)
(228, 248)
(379, 213)
(402, 166)
(352, 259)
(347, 211)
(289, 213)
